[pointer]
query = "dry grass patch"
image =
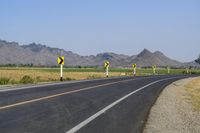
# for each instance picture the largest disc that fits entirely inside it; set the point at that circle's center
(16, 75)
(193, 90)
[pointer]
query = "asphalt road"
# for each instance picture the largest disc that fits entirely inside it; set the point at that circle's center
(116, 105)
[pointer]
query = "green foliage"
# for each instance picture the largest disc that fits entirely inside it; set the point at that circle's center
(195, 72)
(19, 65)
(198, 60)
(26, 79)
(4, 81)
(14, 81)
(184, 72)
(121, 71)
(68, 79)
(38, 79)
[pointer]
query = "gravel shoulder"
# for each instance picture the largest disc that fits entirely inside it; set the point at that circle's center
(175, 110)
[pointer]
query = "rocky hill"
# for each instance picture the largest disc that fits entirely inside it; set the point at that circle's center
(147, 58)
(41, 55)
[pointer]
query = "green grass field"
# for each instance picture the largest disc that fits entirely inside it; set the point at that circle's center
(22, 75)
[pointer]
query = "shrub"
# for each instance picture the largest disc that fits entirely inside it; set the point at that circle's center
(26, 79)
(193, 72)
(183, 72)
(38, 79)
(67, 79)
(4, 81)
(13, 81)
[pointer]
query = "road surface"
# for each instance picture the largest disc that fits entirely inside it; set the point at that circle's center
(113, 105)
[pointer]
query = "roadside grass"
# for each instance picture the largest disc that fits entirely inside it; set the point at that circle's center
(4, 80)
(193, 90)
(24, 75)
(26, 79)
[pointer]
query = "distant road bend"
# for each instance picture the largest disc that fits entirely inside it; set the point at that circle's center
(113, 105)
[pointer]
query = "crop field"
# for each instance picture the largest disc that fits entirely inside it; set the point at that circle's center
(23, 75)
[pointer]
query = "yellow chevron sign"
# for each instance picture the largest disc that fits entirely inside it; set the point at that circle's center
(154, 69)
(106, 64)
(154, 66)
(60, 60)
(134, 65)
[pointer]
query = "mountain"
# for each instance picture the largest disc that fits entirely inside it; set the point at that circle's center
(41, 55)
(37, 54)
(147, 58)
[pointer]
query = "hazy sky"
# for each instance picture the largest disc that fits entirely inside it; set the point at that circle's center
(93, 26)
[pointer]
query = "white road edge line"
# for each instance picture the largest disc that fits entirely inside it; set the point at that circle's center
(88, 120)
(60, 83)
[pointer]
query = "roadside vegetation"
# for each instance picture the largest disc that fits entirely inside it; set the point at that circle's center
(26, 75)
(193, 89)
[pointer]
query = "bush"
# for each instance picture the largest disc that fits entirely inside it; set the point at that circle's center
(4, 81)
(38, 79)
(183, 72)
(193, 72)
(13, 81)
(68, 79)
(26, 79)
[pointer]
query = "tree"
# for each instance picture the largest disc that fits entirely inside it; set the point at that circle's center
(198, 59)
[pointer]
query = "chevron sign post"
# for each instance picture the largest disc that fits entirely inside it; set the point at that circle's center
(106, 66)
(61, 62)
(187, 70)
(168, 69)
(154, 69)
(134, 69)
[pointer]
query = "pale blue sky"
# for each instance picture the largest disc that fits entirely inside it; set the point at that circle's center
(93, 26)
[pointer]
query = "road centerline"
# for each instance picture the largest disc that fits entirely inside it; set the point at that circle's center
(63, 93)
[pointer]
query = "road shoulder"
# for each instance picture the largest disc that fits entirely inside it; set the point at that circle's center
(174, 110)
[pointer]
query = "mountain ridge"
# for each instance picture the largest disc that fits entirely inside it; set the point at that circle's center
(42, 55)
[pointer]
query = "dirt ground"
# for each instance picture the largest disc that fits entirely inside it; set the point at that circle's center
(177, 109)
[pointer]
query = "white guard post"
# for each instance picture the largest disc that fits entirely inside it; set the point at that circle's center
(61, 60)
(61, 72)
(107, 71)
(154, 69)
(168, 70)
(134, 71)
(106, 66)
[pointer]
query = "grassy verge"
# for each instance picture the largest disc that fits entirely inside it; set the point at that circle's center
(24, 75)
(193, 90)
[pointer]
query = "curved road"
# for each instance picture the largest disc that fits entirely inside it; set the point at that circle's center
(114, 105)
